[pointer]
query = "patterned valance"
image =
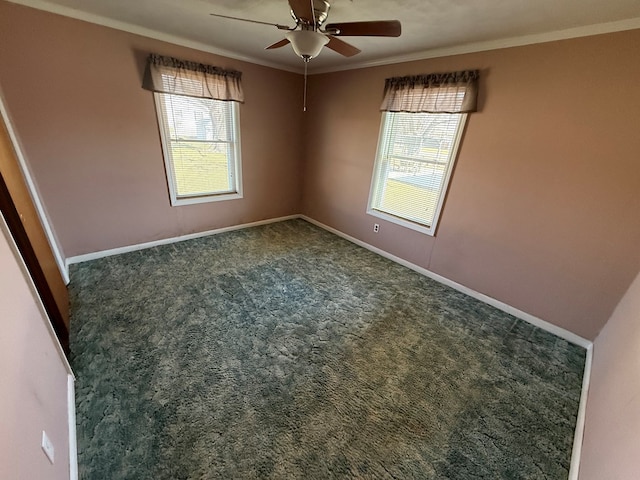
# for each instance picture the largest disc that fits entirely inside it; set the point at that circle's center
(454, 92)
(180, 77)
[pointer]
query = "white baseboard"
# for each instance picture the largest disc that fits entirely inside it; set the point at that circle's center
(538, 322)
(73, 446)
(164, 241)
(578, 435)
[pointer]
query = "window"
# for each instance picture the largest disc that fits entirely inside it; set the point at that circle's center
(422, 123)
(200, 142)
(416, 153)
(197, 108)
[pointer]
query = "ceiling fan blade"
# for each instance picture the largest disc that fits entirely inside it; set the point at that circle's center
(302, 10)
(378, 28)
(279, 44)
(342, 47)
(281, 27)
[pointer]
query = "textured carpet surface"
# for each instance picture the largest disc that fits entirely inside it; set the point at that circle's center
(284, 351)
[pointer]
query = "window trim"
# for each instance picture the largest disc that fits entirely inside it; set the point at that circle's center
(176, 200)
(377, 170)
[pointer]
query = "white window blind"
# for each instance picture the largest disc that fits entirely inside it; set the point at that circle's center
(416, 152)
(201, 147)
(197, 109)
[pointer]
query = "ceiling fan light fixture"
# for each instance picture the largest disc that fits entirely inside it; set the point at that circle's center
(307, 43)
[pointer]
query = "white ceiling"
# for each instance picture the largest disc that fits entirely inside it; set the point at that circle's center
(429, 27)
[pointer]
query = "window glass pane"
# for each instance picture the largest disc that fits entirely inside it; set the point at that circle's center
(200, 167)
(415, 155)
(197, 118)
(199, 145)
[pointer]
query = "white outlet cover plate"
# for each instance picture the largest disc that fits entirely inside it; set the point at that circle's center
(47, 447)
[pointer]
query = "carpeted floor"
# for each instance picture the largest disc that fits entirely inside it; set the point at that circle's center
(284, 351)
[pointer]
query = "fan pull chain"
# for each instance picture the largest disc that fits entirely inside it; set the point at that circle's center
(306, 60)
(304, 95)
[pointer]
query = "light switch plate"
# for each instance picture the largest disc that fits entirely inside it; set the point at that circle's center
(47, 447)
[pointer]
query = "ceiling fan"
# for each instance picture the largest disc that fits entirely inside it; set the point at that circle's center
(310, 34)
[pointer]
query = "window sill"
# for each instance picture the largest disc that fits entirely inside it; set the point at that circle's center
(179, 202)
(402, 222)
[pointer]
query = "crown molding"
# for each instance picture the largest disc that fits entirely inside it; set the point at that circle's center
(576, 32)
(146, 32)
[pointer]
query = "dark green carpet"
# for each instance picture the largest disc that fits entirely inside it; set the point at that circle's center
(284, 351)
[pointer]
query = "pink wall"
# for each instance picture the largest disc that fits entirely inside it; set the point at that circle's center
(542, 209)
(90, 133)
(611, 447)
(542, 212)
(33, 379)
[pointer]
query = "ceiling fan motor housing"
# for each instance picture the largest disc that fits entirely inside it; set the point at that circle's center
(308, 37)
(320, 13)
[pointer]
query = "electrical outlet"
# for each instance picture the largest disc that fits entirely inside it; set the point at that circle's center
(376, 227)
(47, 447)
